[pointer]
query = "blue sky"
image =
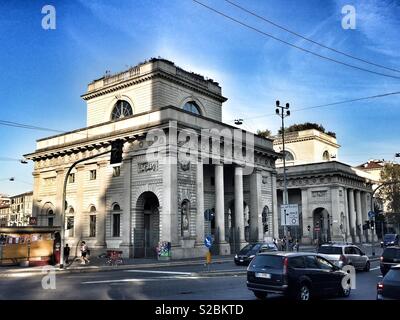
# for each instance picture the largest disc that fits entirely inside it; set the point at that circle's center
(44, 72)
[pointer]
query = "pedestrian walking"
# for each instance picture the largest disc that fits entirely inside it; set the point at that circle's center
(84, 253)
(66, 253)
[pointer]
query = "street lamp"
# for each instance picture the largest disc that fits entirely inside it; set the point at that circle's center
(284, 112)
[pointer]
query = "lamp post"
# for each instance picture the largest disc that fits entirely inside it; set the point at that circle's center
(284, 112)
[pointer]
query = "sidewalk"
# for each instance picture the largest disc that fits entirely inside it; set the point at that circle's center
(99, 265)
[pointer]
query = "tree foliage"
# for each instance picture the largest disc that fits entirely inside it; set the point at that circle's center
(264, 133)
(391, 193)
(306, 126)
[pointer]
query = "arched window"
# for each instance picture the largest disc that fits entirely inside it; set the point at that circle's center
(192, 107)
(71, 210)
(326, 156)
(121, 109)
(116, 207)
(50, 212)
(289, 156)
(92, 209)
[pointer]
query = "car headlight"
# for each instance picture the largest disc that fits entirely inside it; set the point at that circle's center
(252, 256)
(236, 256)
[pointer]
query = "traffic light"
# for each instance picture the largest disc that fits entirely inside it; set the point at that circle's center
(367, 224)
(308, 228)
(116, 151)
(372, 223)
(265, 228)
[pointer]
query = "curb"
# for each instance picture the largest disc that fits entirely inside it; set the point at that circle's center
(11, 272)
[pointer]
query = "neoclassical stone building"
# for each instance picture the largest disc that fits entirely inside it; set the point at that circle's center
(184, 173)
(334, 198)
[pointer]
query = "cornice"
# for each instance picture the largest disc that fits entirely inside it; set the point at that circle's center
(149, 76)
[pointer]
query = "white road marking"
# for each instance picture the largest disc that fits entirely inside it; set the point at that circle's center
(138, 280)
(375, 268)
(160, 272)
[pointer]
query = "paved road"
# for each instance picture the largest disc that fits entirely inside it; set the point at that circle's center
(167, 283)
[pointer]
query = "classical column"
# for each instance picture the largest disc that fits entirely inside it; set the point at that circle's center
(346, 222)
(126, 227)
(307, 218)
(59, 196)
(169, 210)
(275, 206)
(359, 216)
(364, 214)
(239, 217)
(352, 215)
(101, 209)
(256, 228)
(223, 246)
(336, 233)
(200, 204)
(36, 190)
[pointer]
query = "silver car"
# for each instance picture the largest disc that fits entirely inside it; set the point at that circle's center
(345, 254)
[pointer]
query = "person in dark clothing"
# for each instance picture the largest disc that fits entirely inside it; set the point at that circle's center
(66, 253)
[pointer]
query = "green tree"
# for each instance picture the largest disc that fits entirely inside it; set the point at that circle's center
(391, 193)
(264, 133)
(307, 126)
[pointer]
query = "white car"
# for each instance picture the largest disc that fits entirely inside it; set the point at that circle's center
(345, 254)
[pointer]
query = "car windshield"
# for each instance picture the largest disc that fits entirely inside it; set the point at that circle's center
(330, 250)
(389, 237)
(391, 253)
(267, 261)
(246, 249)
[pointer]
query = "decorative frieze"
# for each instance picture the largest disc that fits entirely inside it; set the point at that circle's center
(319, 194)
(147, 166)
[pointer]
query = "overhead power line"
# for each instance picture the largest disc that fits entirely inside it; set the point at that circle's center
(308, 39)
(327, 104)
(296, 46)
(27, 126)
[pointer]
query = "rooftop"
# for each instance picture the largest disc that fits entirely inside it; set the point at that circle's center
(146, 68)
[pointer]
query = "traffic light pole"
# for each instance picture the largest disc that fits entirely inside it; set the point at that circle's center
(63, 205)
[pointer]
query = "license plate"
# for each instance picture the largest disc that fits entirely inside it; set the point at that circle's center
(241, 260)
(263, 275)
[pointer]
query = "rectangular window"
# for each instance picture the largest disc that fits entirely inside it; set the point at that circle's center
(92, 174)
(116, 171)
(92, 225)
(51, 221)
(116, 225)
(71, 178)
(212, 181)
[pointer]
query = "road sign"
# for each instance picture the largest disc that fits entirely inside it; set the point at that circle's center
(208, 241)
(317, 229)
(289, 215)
(371, 215)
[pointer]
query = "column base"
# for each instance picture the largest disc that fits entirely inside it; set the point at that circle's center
(223, 248)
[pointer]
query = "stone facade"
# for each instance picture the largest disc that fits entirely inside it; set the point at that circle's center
(165, 189)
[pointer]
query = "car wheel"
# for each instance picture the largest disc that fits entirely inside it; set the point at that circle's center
(260, 295)
(304, 292)
(344, 292)
(367, 266)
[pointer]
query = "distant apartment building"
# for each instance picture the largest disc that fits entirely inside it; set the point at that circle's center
(4, 209)
(16, 210)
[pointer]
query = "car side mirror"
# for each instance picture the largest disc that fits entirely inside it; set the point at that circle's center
(362, 253)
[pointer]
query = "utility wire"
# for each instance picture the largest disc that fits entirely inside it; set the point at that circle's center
(327, 104)
(295, 46)
(308, 39)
